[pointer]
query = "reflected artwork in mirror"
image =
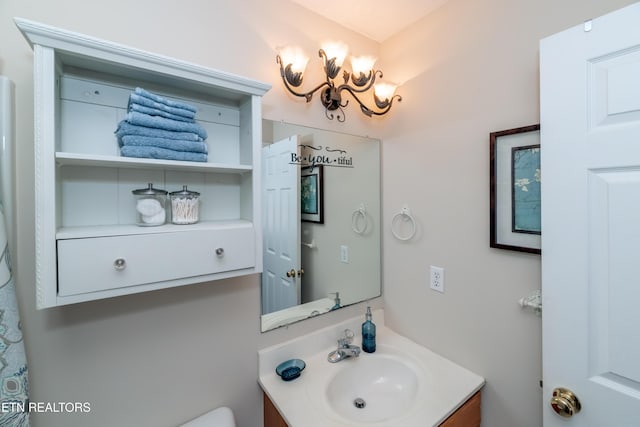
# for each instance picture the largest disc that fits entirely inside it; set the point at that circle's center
(321, 222)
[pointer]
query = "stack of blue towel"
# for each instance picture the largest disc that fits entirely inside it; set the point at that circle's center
(159, 128)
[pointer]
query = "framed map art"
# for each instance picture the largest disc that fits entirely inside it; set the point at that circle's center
(515, 189)
(312, 194)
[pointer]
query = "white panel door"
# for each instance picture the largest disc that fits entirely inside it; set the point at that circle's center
(281, 226)
(590, 162)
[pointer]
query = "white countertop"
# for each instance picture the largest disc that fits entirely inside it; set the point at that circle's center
(443, 387)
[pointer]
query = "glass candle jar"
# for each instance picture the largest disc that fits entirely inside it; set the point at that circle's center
(185, 206)
(150, 206)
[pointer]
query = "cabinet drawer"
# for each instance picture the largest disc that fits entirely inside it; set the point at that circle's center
(91, 264)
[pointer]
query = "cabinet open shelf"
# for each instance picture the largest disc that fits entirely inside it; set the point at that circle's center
(132, 229)
(75, 159)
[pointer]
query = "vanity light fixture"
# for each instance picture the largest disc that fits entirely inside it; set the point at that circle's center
(360, 80)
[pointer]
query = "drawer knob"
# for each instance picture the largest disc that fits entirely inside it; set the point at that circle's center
(120, 264)
(220, 252)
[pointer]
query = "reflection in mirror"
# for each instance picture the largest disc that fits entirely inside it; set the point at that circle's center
(321, 222)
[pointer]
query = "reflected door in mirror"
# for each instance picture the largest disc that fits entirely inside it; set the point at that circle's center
(281, 226)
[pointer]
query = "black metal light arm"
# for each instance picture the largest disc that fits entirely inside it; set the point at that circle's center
(383, 105)
(295, 79)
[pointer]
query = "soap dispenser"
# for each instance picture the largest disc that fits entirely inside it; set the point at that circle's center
(336, 301)
(368, 334)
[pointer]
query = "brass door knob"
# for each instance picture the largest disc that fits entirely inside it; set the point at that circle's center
(301, 272)
(565, 403)
(291, 273)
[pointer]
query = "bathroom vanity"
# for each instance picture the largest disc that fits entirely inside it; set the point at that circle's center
(88, 245)
(468, 415)
(402, 384)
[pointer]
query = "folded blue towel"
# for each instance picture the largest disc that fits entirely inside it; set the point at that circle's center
(166, 124)
(134, 98)
(147, 152)
(126, 128)
(162, 100)
(156, 112)
(171, 144)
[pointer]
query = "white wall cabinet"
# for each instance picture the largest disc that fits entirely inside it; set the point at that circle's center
(87, 244)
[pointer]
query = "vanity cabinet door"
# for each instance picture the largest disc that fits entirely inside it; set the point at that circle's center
(272, 417)
(468, 415)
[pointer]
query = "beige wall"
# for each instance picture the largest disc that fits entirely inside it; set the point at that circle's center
(159, 358)
(469, 69)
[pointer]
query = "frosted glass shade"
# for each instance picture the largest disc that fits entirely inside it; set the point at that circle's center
(337, 50)
(384, 91)
(296, 57)
(362, 64)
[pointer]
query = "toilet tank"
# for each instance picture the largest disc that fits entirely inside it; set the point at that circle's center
(220, 417)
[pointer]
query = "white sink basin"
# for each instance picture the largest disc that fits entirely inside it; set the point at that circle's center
(402, 384)
(373, 388)
(390, 382)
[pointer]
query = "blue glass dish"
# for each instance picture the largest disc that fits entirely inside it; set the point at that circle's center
(290, 369)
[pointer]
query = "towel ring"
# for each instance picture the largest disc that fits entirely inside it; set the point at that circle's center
(405, 215)
(356, 216)
(309, 245)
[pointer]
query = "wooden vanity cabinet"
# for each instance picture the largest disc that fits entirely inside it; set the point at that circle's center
(272, 417)
(468, 415)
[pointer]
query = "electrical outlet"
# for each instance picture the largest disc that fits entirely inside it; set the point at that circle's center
(437, 279)
(344, 254)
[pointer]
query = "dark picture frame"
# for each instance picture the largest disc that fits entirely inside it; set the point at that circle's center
(514, 156)
(312, 194)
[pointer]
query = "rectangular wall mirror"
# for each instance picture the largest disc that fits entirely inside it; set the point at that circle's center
(321, 220)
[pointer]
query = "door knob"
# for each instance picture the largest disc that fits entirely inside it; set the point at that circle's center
(565, 403)
(301, 272)
(291, 273)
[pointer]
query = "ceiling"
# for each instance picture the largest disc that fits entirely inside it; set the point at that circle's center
(375, 19)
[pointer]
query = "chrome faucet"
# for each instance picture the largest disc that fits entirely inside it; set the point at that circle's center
(345, 349)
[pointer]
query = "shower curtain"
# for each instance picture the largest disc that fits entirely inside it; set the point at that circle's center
(14, 385)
